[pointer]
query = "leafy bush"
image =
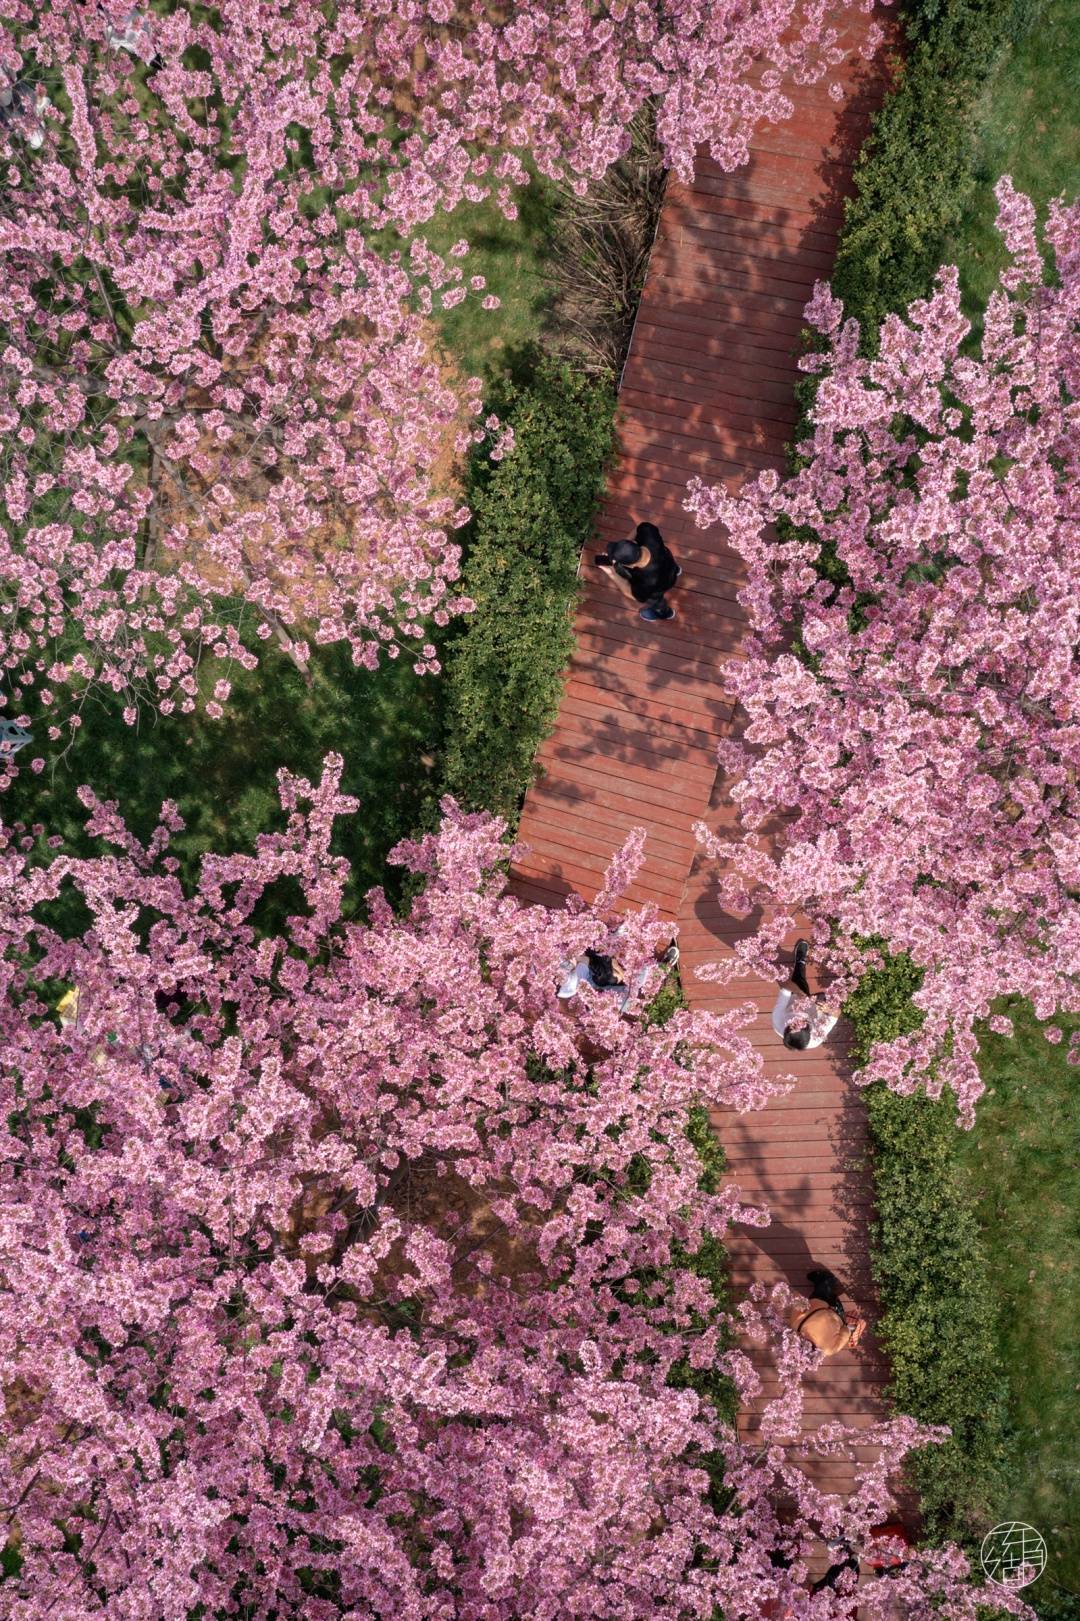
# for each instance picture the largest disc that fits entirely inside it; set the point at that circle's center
(711, 1264)
(881, 1009)
(938, 1321)
(1055, 1604)
(531, 515)
(664, 1005)
(939, 1310)
(915, 174)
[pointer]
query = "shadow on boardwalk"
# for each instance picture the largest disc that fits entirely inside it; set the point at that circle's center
(707, 392)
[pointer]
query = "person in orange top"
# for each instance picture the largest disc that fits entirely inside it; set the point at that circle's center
(822, 1319)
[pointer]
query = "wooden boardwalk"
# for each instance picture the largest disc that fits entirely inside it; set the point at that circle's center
(707, 390)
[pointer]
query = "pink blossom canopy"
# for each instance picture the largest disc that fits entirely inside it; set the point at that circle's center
(221, 408)
(928, 738)
(343, 1271)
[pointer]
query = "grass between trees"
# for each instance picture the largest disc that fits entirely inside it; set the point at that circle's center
(975, 1255)
(1020, 1166)
(512, 256)
(222, 773)
(1029, 127)
(1020, 1170)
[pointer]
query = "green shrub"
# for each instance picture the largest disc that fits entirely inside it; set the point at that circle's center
(915, 174)
(938, 1323)
(668, 1000)
(939, 1309)
(707, 1146)
(531, 514)
(710, 1263)
(881, 1009)
(1055, 1604)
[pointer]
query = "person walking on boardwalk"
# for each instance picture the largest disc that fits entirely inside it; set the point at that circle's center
(802, 1017)
(822, 1319)
(644, 569)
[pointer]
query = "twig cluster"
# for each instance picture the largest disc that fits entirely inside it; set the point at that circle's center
(600, 252)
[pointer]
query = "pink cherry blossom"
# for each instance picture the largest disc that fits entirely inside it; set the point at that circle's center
(925, 744)
(331, 1278)
(221, 399)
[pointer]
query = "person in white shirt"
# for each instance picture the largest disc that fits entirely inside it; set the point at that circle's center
(802, 1017)
(603, 973)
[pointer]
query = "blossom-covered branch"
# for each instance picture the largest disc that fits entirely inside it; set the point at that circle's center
(221, 409)
(927, 731)
(344, 1270)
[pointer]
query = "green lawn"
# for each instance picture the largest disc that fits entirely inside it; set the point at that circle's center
(1022, 1161)
(510, 255)
(222, 773)
(1023, 1156)
(1030, 116)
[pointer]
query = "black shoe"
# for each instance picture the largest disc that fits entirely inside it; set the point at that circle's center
(802, 954)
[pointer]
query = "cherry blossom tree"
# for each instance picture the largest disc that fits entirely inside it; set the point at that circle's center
(925, 732)
(222, 409)
(344, 1271)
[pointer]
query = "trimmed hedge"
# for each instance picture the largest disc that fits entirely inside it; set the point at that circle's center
(532, 513)
(939, 1306)
(916, 172)
(939, 1312)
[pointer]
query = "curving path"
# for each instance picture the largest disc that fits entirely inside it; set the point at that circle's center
(707, 390)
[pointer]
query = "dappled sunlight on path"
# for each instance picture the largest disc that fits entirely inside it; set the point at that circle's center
(707, 391)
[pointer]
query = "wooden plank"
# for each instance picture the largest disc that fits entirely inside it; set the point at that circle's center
(707, 392)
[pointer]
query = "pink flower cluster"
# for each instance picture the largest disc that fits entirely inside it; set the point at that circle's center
(330, 1283)
(926, 740)
(220, 401)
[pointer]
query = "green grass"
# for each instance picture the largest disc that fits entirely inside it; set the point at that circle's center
(222, 773)
(1030, 128)
(1022, 1164)
(510, 255)
(1022, 1160)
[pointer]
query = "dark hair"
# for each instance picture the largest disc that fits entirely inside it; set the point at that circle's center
(797, 1038)
(624, 551)
(849, 1562)
(826, 1286)
(646, 532)
(602, 970)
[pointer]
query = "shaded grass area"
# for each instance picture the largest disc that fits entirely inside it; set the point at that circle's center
(222, 773)
(1028, 119)
(510, 255)
(1021, 1164)
(976, 1258)
(977, 1261)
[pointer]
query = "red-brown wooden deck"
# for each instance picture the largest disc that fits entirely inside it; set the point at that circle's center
(707, 390)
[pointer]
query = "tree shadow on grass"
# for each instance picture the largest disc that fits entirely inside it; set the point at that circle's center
(223, 774)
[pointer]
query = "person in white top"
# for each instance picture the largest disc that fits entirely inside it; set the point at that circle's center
(802, 1017)
(603, 973)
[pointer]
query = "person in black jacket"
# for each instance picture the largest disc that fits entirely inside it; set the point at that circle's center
(645, 569)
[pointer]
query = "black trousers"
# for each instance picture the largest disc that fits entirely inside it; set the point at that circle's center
(798, 977)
